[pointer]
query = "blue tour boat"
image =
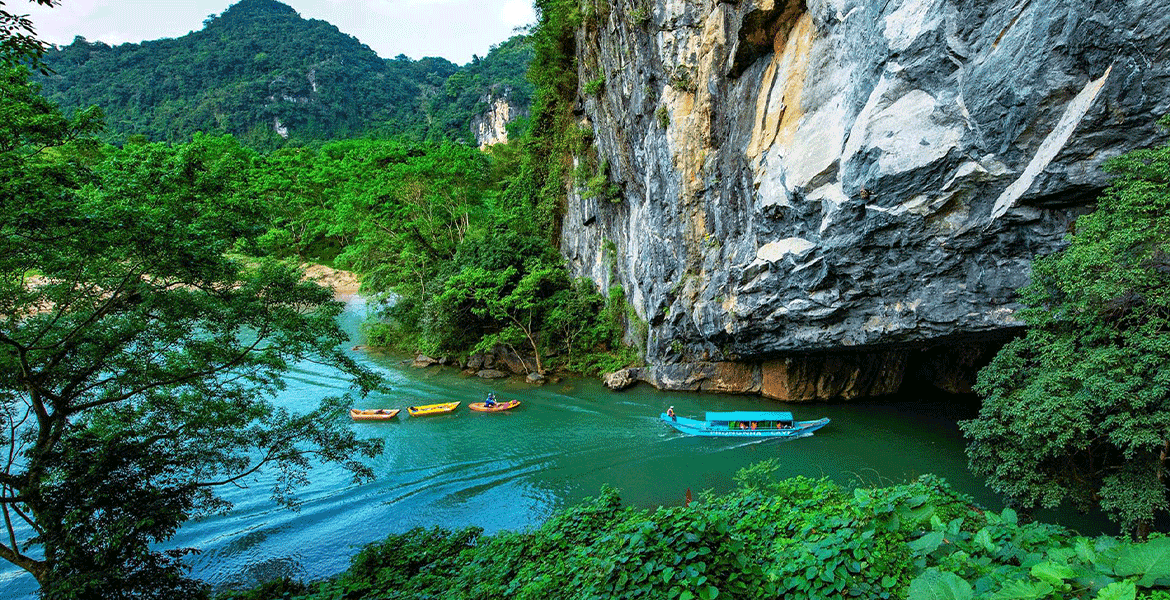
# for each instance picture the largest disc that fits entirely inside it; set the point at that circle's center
(745, 424)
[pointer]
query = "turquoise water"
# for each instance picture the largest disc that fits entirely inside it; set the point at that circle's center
(512, 470)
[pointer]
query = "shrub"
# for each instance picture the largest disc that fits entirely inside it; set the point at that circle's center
(594, 87)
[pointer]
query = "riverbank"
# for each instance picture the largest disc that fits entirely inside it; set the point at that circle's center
(344, 283)
(797, 538)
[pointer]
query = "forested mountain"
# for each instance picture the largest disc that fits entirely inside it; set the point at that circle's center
(264, 74)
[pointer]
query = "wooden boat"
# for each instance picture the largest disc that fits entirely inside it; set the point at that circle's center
(431, 409)
(499, 406)
(745, 424)
(373, 414)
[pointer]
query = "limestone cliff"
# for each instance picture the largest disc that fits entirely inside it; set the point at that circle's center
(491, 126)
(822, 198)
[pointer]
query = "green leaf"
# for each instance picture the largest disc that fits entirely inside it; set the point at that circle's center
(940, 585)
(1149, 561)
(1023, 590)
(983, 538)
(917, 515)
(1052, 573)
(927, 543)
(1085, 551)
(1121, 590)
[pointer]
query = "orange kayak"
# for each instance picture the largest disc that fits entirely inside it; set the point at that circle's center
(372, 414)
(431, 409)
(479, 406)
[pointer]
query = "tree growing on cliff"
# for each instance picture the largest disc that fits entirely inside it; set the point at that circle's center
(138, 361)
(1078, 409)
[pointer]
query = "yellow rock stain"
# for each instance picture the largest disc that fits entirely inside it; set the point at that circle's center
(778, 105)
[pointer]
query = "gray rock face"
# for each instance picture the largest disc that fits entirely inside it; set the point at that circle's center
(842, 175)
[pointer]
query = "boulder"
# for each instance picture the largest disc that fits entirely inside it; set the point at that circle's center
(423, 361)
(516, 363)
(490, 374)
(619, 380)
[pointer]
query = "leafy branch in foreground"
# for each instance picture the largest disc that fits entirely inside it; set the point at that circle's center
(18, 39)
(137, 361)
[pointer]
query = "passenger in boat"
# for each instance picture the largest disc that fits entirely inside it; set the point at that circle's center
(670, 413)
(753, 425)
(742, 425)
(491, 400)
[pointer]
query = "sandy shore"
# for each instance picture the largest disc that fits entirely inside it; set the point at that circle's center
(344, 283)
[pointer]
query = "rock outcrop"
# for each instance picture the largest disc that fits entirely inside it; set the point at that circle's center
(491, 127)
(815, 190)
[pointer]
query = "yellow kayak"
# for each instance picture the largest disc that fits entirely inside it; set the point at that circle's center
(431, 409)
(372, 414)
(500, 406)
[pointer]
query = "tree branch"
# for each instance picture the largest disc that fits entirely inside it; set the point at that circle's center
(233, 362)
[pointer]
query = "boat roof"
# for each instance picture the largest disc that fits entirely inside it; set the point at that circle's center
(748, 415)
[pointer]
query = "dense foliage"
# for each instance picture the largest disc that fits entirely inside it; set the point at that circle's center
(501, 74)
(545, 167)
(259, 65)
(464, 244)
(137, 358)
(432, 229)
(1078, 410)
(794, 539)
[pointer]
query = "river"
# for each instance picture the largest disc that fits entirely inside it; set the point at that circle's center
(510, 471)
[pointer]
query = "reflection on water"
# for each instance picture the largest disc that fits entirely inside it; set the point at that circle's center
(512, 470)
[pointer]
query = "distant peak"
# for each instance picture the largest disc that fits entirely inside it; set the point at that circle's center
(253, 7)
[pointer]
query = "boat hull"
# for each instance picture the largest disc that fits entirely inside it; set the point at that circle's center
(431, 409)
(500, 406)
(703, 428)
(358, 414)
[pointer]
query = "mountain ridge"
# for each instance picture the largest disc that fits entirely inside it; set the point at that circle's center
(263, 73)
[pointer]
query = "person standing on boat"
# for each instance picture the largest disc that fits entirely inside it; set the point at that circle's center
(491, 400)
(670, 413)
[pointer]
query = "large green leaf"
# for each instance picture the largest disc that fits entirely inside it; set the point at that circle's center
(1149, 561)
(927, 543)
(1052, 573)
(1121, 590)
(940, 585)
(983, 538)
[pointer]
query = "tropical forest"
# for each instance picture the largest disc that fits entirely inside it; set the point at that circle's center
(667, 300)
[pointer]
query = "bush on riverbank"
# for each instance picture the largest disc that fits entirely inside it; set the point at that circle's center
(797, 538)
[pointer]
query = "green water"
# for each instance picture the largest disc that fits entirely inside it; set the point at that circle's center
(512, 470)
(509, 471)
